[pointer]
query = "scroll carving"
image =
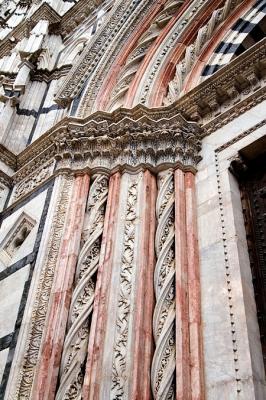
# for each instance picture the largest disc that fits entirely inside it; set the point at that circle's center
(163, 364)
(119, 370)
(76, 341)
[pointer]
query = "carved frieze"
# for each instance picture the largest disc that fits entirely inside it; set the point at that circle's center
(227, 89)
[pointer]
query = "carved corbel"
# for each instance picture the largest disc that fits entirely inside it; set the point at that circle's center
(238, 166)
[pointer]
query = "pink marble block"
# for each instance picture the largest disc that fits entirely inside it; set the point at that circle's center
(183, 389)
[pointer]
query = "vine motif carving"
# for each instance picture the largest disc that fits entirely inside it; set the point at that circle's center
(119, 376)
(40, 306)
(33, 180)
(163, 364)
(81, 307)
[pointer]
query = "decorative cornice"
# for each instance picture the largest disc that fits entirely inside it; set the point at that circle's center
(5, 179)
(226, 88)
(123, 138)
(44, 75)
(104, 143)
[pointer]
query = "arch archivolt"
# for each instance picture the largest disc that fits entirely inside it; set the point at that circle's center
(154, 53)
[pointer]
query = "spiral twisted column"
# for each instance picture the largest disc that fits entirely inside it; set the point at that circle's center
(76, 341)
(163, 364)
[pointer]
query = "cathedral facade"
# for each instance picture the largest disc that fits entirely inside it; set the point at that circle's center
(132, 199)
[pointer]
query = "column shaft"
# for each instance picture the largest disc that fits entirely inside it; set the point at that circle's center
(143, 344)
(97, 332)
(120, 347)
(46, 379)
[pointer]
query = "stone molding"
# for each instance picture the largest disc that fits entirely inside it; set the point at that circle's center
(81, 306)
(193, 11)
(192, 53)
(42, 75)
(7, 157)
(227, 88)
(221, 95)
(61, 24)
(164, 358)
(31, 181)
(85, 65)
(148, 142)
(5, 180)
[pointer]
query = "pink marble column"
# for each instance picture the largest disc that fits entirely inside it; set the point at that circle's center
(183, 391)
(195, 329)
(143, 344)
(47, 373)
(97, 331)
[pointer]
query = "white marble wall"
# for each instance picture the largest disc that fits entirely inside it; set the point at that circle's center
(12, 286)
(33, 209)
(11, 289)
(233, 359)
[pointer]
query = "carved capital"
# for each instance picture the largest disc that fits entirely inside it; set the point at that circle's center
(153, 140)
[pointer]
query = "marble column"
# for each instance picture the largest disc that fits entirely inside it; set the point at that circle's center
(94, 359)
(52, 343)
(177, 366)
(120, 347)
(81, 307)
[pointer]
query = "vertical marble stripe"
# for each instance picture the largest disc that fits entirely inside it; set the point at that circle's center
(195, 333)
